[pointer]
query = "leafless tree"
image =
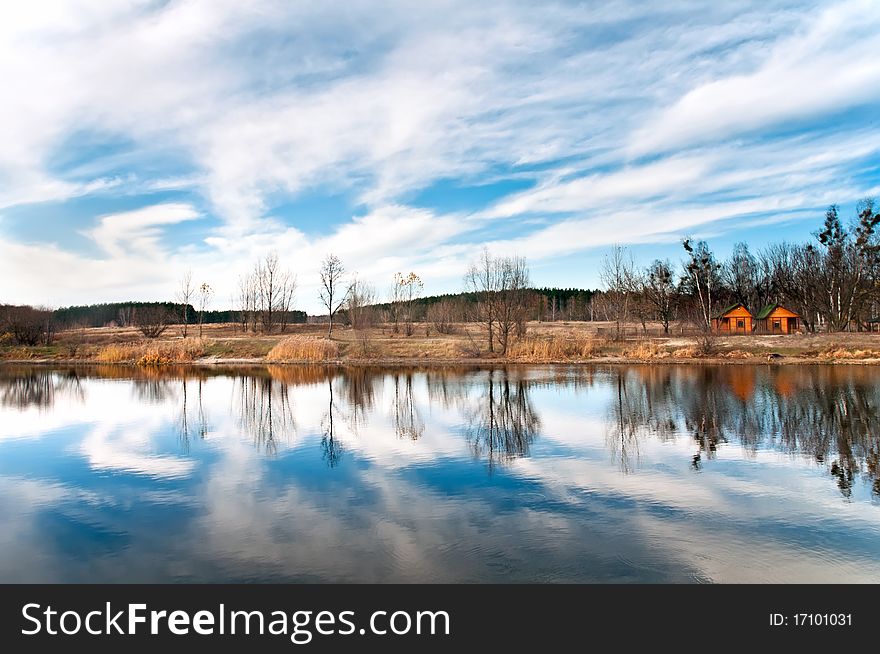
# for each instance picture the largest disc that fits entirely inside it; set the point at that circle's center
(152, 319)
(617, 275)
(28, 325)
(702, 278)
(276, 289)
(205, 294)
(443, 315)
(512, 299)
(660, 291)
(410, 289)
(360, 310)
(333, 292)
(185, 294)
(483, 280)
(501, 285)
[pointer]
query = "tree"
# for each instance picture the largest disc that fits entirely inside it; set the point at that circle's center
(185, 294)
(512, 299)
(659, 291)
(276, 289)
(359, 304)
(28, 325)
(247, 302)
(205, 293)
(332, 295)
(501, 287)
(482, 280)
(618, 277)
(410, 290)
(360, 310)
(850, 259)
(701, 278)
(152, 319)
(748, 279)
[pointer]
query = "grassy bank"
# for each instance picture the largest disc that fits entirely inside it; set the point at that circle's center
(559, 342)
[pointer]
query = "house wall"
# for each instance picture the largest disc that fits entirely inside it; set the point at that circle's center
(789, 322)
(727, 324)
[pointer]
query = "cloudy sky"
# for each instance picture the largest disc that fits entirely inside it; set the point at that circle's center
(142, 138)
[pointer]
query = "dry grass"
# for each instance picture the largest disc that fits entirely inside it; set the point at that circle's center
(152, 354)
(304, 348)
(737, 354)
(840, 354)
(685, 353)
(118, 353)
(554, 348)
(646, 351)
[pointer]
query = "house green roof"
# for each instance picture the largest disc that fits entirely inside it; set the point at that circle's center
(729, 309)
(766, 311)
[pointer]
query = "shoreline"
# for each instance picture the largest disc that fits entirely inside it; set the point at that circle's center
(441, 362)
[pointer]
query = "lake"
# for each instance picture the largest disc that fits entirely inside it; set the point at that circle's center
(663, 473)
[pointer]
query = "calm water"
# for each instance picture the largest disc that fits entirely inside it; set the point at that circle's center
(597, 474)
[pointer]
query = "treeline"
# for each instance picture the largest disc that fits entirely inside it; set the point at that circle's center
(125, 314)
(832, 282)
(545, 304)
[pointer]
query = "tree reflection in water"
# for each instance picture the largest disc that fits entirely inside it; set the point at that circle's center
(828, 413)
(266, 411)
(503, 422)
(22, 388)
(408, 423)
(187, 428)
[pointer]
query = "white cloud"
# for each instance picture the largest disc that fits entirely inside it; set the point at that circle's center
(258, 104)
(137, 232)
(828, 66)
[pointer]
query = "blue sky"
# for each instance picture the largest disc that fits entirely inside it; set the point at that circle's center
(143, 138)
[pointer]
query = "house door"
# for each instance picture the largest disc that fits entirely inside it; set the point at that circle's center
(740, 325)
(777, 326)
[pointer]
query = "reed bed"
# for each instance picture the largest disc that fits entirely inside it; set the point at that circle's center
(152, 354)
(303, 348)
(554, 348)
(840, 354)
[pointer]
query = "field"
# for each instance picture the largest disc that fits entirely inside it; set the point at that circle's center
(553, 342)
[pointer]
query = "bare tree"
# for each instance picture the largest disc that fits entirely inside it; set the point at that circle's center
(501, 286)
(151, 319)
(410, 287)
(660, 291)
(617, 275)
(28, 325)
(247, 301)
(701, 275)
(482, 279)
(443, 315)
(332, 293)
(205, 294)
(185, 294)
(359, 305)
(275, 292)
(512, 298)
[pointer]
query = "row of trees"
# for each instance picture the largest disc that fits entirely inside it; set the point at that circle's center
(832, 282)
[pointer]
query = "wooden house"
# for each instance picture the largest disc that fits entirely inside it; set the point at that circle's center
(735, 319)
(776, 319)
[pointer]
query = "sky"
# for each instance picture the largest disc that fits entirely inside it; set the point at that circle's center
(143, 138)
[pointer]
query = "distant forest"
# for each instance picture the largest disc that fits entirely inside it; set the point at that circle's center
(548, 303)
(124, 314)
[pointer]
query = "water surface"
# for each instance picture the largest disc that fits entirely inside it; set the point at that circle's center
(521, 474)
